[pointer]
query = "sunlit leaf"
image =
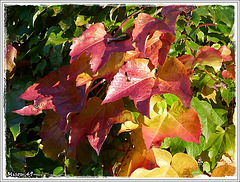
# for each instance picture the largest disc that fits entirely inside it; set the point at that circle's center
(95, 41)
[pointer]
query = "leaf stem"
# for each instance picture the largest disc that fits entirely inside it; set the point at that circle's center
(210, 75)
(95, 86)
(207, 24)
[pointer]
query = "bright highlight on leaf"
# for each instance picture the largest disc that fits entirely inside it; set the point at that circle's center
(136, 80)
(154, 163)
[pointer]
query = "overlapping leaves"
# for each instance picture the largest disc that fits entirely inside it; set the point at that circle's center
(137, 67)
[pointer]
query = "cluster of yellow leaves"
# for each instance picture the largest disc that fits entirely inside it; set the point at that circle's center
(156, 162)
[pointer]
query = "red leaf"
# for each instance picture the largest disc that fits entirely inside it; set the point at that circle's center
(229, 73)
(10, 54)
(136, 80)
(55, 91)
(158, 46)
(187, 60)
(94, 41)
(149, 35)
(170, 14)
(95, 122)
(174, 79)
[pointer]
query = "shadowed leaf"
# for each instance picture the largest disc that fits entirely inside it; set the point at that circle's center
(95, 122)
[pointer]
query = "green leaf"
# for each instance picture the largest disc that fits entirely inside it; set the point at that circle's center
(214, 143)
(193, 45)
(202, 11)
(196, 172)
(128, 24)
(58, 171)
(225, 14)
(65, 24)
(55, 60)
(18, 156)
(56, 39)
(40, 161)
(81, 20)
(15, 129)
(170, 98)
(34, 40)
(36, 15)
(57, 9)
(219, 116)
(40, 67)
(212, 39)
(176, 145)
(204, 110)
(195, 18)
(227, 94)
(35, 58)
(200, 36)
(17, 162)
(207, 167)
(193, 149)
(229, 140)
(224, 28)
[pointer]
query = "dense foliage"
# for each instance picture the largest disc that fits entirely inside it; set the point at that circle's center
(136, 91)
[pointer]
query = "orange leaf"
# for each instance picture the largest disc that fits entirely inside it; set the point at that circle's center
(225, 167)
(178, 121)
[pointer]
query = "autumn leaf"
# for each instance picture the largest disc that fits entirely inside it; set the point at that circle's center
(10, 54)
(180, 165)
(139, 162)
(178, 121)
(170, 14)
(225, 53)
(95, 41)
(205, 56)
(136, 80)
(53, 137)
(111, 67)
(137, 157)
(55, 91)
(225, 167)
(95, 122)
(153, 37)
(208, 56)
(173, 78)
(229, 73)
(187, 60)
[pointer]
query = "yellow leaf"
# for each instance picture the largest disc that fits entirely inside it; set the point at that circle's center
(156, 172)
(128, 126)
(163, 157)
(184, 164)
